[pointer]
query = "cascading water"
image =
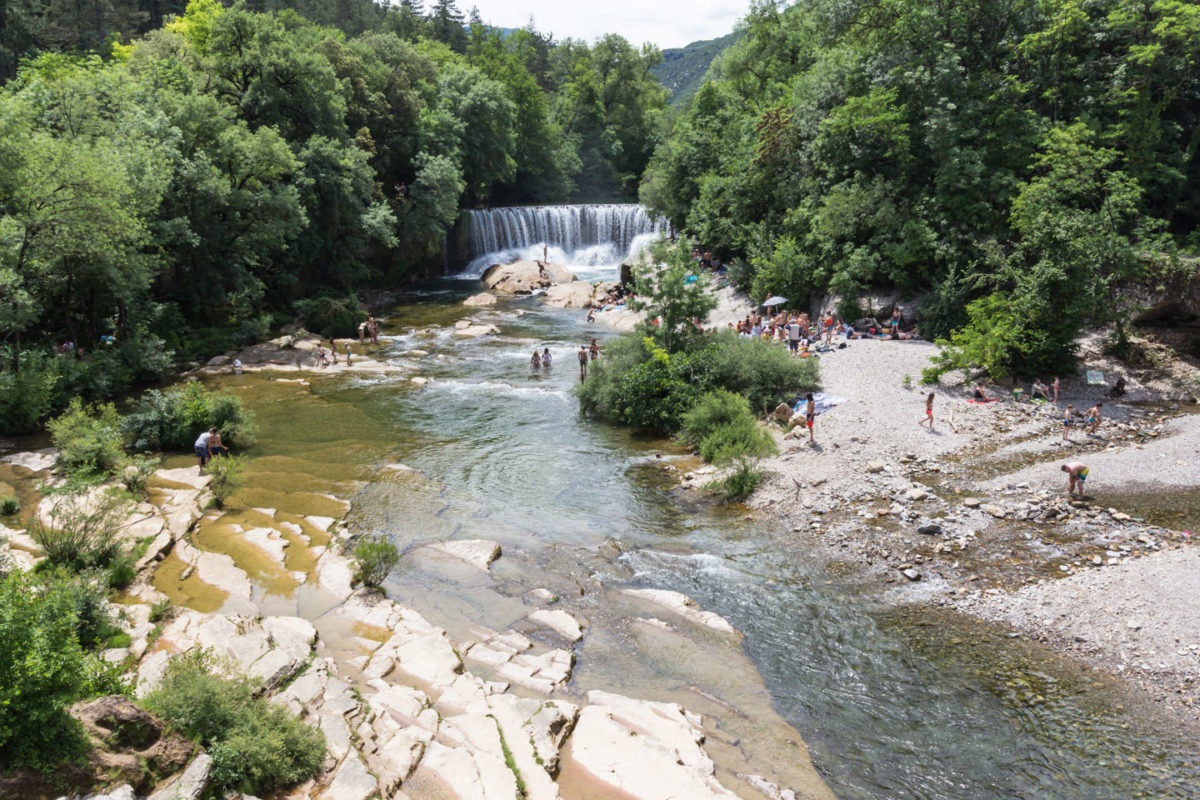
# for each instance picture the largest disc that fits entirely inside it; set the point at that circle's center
(595, 236)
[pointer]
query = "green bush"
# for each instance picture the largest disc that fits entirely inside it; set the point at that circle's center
(765, 372)
(640, 385)
(136, 473)
(172, 419)
(80, 531)
(44, 670)
(739, 483)
(9, 505)
(29, 396)
(256, 746)
(330, 316)
(374, 559)
(226, 473)
(88, 439)
(722, 427)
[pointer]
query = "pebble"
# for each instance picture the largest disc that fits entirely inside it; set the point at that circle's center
(911, 574)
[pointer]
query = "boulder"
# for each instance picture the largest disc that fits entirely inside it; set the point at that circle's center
(576, 294)
(35, 461)
(684, 606)
(191, 785)
(783, 412)
(481, 299)
(476, 552)
(930, 529)
(558, 621)
(642, 749)
(525, 277)
(475, 331)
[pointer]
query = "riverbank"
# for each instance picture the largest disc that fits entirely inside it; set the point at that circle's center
(973, 514)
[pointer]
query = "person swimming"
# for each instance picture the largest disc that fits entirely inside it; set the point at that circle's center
(536, 360)
(546, 357)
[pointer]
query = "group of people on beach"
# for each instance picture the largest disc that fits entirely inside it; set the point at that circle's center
(804, 334)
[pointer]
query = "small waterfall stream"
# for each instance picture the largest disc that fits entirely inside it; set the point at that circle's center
(599, 235)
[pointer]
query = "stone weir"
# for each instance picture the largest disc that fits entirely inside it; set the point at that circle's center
(406, 711)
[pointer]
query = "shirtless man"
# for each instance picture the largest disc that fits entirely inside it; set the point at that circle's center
(1093, 417)
(1039, 390)
(1077, 474)
(583, 361)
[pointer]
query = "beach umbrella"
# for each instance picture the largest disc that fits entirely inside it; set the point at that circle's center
(774, 301)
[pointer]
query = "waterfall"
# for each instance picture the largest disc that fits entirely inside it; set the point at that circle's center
(577, 235)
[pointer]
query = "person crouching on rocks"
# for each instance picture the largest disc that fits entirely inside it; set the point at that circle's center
(1077, 474)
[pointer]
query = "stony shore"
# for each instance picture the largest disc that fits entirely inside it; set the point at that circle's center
(974, 515)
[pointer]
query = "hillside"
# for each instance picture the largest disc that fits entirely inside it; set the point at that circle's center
(683, 67)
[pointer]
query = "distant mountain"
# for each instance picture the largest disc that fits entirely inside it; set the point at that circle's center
(683, 67)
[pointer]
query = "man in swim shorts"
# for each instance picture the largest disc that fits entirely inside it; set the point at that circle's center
(1077, 474)
(810, 413)
(1067, 422)
(1093, 417)
(202, 447)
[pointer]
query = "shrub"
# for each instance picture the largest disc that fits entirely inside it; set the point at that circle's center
(88, 439)
(763, 371)
(374, 559)
(136, 473)
(256, 746)
(80, 531)
(226, 472)
(29, 396)
(9, 505)
(723, 428)
(330, 316)
(45, 670)
(739, 483)
(172, 419)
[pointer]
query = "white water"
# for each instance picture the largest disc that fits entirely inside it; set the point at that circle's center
(592, 240)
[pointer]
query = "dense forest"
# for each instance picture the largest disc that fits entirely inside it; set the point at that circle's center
(1010, 160)
(178, 179)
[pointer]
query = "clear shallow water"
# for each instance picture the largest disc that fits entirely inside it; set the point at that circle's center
(892, 705)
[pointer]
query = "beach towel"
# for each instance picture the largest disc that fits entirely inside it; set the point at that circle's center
(1095, 377)
(983, 402)
(822, 402)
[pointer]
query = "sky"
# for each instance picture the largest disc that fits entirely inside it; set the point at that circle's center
(666, 23)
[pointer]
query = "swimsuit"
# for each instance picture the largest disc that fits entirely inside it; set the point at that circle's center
(1083, 473)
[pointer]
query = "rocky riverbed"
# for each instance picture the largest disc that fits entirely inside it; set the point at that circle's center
(974, 516)
(408, 709)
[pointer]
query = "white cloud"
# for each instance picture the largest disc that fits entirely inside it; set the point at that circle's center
(666, 24)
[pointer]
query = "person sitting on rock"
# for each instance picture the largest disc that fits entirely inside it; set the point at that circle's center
(1039, 390)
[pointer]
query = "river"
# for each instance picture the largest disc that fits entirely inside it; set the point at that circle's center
(892, 703)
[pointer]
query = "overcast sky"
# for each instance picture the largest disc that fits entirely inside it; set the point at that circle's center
(667, 24)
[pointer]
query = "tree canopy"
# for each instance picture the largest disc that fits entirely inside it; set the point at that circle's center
(1025, 155)
(175, 178)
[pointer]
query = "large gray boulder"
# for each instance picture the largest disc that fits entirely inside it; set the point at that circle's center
(525, 277)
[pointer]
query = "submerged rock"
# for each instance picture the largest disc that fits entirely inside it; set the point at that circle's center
(481, 299)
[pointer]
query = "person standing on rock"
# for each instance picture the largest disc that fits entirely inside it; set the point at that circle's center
(203, 452)
(1093, 417)
(928, 412)
(373, 330)
(1077, 474)
(362, 332)
(349, 356)
(583, 359)
(810, 413)
(1054, 386)
(1067, 422)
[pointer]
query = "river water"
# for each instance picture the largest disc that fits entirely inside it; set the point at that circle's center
(892, 703)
